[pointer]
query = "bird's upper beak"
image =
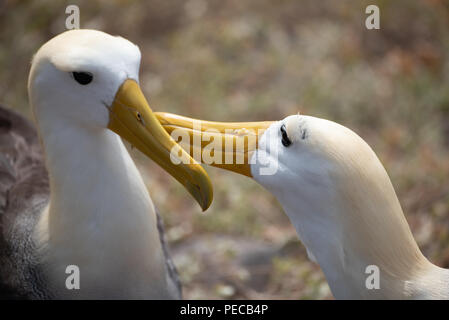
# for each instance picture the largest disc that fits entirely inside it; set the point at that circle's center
(132, 118)
(235, 142)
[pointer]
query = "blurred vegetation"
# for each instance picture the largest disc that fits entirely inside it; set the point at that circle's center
(263, 60)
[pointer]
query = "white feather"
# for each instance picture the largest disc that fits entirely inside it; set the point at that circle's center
(341, 201)
(100, 216)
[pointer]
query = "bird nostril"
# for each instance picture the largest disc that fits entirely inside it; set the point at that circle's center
(139, 117)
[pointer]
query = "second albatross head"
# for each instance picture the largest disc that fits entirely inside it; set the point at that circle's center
(90, 79)
(332, 186)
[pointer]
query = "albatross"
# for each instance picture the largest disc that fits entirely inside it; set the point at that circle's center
(70, 193)
(337, 195)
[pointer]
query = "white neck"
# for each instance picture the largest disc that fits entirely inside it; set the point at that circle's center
(344, 252)
(100, 217)
(341, 201)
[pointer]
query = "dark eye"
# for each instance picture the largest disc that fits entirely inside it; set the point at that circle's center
(285, 140)
(83, 77)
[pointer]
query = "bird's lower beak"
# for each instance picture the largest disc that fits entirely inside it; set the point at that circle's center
(227, 145)
(132, 118)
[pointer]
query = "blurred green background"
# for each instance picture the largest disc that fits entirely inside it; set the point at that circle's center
(263, 60)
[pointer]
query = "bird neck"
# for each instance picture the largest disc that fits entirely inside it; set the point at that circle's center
(100, 217)
(370, 255)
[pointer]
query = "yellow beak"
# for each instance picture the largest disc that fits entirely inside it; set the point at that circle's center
(132, 118)
(235, 142)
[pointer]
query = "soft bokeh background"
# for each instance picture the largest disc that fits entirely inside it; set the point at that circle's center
(263, 60)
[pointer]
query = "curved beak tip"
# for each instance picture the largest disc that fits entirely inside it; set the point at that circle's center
(207, 201)
(133, 119)
(202, 190)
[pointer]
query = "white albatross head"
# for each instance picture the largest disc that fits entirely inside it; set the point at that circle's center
(336, 193)
(89, 80)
